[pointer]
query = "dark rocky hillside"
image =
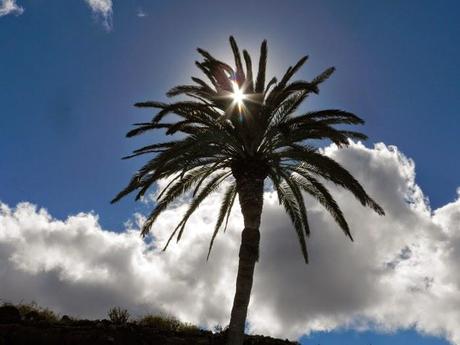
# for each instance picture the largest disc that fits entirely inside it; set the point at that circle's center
(31, 328)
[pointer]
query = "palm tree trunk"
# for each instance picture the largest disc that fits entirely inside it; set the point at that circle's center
(250, 192)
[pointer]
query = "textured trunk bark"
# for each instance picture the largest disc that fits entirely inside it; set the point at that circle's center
(250, 193)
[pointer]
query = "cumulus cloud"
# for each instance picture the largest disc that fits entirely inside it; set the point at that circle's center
(10, 7)
(75, 267)
(401, 271)
(102, 9)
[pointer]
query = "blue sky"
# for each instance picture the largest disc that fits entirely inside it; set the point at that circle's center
(68, 82)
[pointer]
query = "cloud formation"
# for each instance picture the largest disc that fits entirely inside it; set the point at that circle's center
(10, 7)
(141, 13)
(402, 270)
(102, 9)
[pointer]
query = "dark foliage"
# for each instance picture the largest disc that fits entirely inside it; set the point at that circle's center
(265, 135)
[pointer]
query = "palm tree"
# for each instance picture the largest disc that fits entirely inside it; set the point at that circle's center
(241, 130)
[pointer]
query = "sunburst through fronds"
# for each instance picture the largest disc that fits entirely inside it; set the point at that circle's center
(237, 127)
(238, 96)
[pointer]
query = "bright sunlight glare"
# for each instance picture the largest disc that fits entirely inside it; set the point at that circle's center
(238, 95)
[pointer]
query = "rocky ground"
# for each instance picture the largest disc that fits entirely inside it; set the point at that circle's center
(17, 329)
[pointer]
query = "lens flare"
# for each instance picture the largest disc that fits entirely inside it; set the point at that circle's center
(238, 95)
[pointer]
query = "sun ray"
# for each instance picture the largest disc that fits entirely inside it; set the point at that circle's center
(238, 96)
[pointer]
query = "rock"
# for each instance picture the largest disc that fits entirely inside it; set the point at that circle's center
(9, 314)
(42, 323)
(105, 323)
(202, 341)
(84, 323)
(32, 316)
(66, 318)
(103, 332)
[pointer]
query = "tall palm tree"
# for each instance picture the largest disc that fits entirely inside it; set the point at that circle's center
(241, 130)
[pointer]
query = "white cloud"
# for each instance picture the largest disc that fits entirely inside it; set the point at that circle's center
(76, 267)
(102, 8)
(141, 13)
(10, 7)
(402, 270)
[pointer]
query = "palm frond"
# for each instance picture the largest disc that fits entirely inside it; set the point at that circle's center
(150, 104)
(260, 82)
(272, 82)
(155, 148)
(240, 77)
(249, 87)
(210, 187)
(328, 116)
(299, 199)
(329, 169)
(171, 192)
(207, 73)
(318, 191)
(291, 71)
(206, 54)
(288, 200)
(225, 210)
(146, 126)
(323, 76)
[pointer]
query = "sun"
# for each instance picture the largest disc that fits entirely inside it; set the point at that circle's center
(238, 95)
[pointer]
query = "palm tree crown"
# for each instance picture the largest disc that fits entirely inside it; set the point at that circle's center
(237, 126)
(240, 129)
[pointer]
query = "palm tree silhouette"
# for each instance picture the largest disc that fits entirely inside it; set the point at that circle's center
(240, 130)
